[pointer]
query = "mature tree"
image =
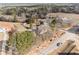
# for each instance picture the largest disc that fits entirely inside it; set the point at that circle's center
(22, 41)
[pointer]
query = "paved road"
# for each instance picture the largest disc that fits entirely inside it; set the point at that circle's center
(66, 36)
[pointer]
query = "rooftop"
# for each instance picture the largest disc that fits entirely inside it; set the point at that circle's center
(7, 25)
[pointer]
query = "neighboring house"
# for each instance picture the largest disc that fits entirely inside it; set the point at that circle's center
(67, 21)
(64, 22)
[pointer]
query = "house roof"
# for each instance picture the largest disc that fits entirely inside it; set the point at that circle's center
(8, 26)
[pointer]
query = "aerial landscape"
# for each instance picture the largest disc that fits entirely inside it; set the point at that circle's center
(39, 29)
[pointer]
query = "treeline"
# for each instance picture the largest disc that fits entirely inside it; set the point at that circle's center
(24, 14)
(20, 42)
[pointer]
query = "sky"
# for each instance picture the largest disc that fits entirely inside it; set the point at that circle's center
(16, 4)
(39, 1)
(27, 4)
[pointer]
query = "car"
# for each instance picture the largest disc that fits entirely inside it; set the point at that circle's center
(59, 43)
